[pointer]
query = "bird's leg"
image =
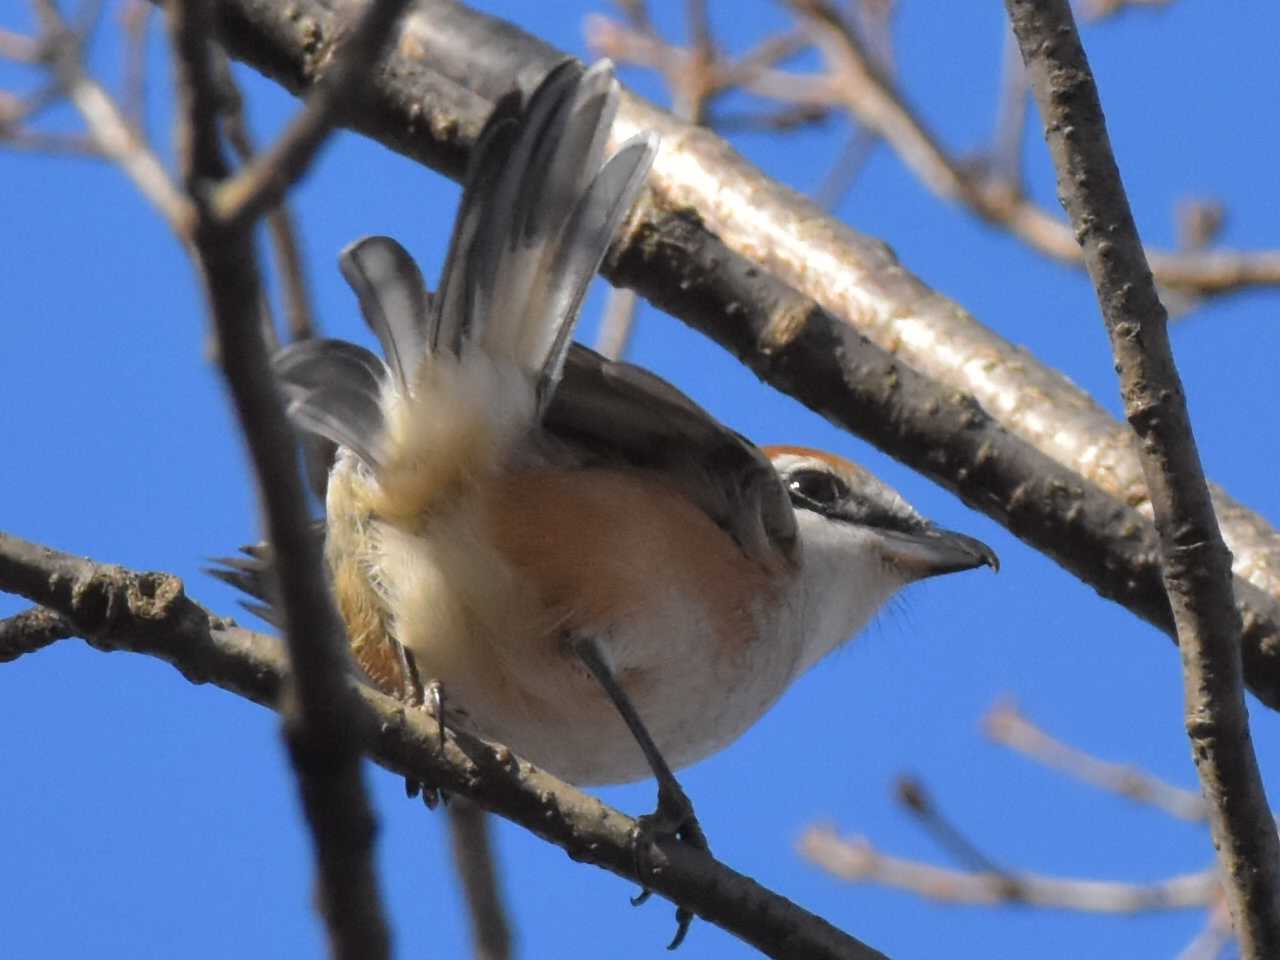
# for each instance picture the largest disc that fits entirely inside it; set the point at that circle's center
(417, 694)
(674, 816)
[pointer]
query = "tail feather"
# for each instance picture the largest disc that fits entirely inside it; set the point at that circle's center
(453, 313)
(531, 238)
(537, 216)
(393, 300)
(592, 227)
(253, 573)
(334, 390)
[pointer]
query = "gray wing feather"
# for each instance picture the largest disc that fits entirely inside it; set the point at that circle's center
(619, 413)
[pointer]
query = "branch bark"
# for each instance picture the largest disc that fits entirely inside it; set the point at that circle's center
(815, 309)
(148, 613)
(323, 727)
(1196, 562)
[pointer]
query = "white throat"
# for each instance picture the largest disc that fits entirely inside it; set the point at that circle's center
(842, 582)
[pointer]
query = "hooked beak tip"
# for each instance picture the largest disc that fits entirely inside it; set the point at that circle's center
(935, 551)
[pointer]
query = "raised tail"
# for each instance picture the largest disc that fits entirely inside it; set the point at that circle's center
(537, 215)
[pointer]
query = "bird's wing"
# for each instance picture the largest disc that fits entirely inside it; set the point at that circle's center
(619, 413)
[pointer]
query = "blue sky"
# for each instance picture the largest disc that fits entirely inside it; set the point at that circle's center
(143, 816)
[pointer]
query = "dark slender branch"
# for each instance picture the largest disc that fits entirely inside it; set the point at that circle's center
(1197, 565)
(474, 861)
(915, 797)
(30, 631)
(298, 314)
(148, 613)
(722, 275)
(264, 182)
(323, 727)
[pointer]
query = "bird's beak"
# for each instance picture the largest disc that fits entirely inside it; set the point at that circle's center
(933, 551)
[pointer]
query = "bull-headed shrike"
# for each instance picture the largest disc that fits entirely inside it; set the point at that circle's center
(595, 571)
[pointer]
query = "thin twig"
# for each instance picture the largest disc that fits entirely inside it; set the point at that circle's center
(914, 796)
(136, 18)
(1197, 565)
(108, 128)
(474, 861)
(30, 631)
(1210, 942)
(1101, 9)
(854, 81)
(298, 315)
(263, 183)
(1005, 160)
(856, 860)
(1006, 725)
(617, 323)
(148, 613)
(20, 48)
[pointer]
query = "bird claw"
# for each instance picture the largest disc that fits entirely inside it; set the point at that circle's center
(673, 819)
(432, 796)
(429, 699)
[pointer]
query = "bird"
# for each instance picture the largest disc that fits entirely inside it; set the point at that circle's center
(555, 550)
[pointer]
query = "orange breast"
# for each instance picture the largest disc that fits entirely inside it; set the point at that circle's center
(601, 544)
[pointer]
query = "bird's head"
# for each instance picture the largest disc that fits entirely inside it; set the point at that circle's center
(860, 542)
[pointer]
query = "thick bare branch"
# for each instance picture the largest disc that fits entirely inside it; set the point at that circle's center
(1197, 565)
(915, 402)
(148, 613)
(323, 727)
(856, 860)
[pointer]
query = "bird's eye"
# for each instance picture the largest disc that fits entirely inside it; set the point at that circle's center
(817, 488)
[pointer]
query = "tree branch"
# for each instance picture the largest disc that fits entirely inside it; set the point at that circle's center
(117, 609)
(856, 860)
(109, 130)
(30, 631)
(323, 727)
(1038, 455)
(1006, 725)
(263, 183)
(1197, 565)
(474, 863)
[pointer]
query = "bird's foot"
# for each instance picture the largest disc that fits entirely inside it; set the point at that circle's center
(674, 819)
(430, 698)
